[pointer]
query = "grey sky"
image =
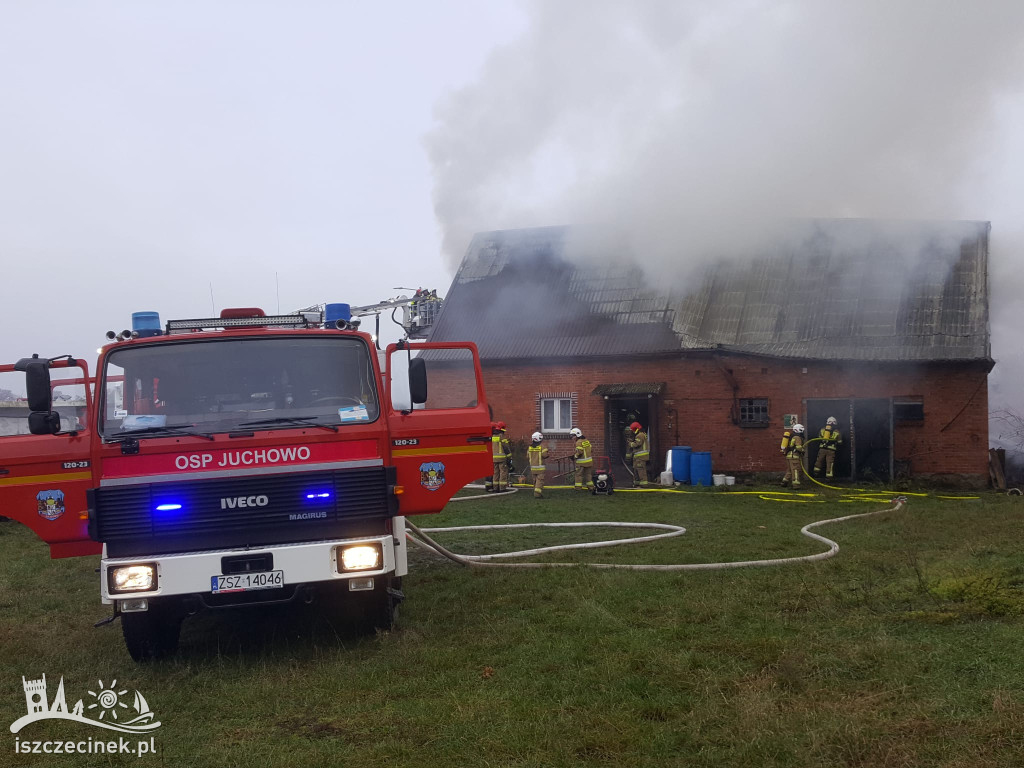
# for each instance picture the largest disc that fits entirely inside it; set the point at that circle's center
(150, 149)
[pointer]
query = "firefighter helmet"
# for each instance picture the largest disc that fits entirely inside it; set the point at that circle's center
(635, 426)
(536, 437)
(831, 421)
(576, 432)
(502, 426)
(798, 429)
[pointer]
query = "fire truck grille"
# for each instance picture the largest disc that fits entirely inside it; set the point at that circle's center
(159, 518)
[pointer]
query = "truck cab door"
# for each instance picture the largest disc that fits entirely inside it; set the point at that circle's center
(44, 477)
(438, 421)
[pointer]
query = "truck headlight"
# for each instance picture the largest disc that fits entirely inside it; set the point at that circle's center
(132, 578)
(359, 557)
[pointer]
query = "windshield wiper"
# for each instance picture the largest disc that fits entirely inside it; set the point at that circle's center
(294, 420)
(131, 434)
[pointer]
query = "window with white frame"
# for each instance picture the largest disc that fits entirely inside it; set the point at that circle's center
(555, 414)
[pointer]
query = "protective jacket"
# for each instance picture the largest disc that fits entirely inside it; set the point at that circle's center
(639, 446)
(792, 444)
(537, 453)
(830, 438)
(501, 449)
(582, 452)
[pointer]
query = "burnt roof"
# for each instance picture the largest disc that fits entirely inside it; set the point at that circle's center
(846, 289)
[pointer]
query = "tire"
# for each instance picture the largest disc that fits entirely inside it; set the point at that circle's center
(378, 610)
(152, 635)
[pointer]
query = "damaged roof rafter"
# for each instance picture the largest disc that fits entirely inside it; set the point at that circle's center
(754, 310)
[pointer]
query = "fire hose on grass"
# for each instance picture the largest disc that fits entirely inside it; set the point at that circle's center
(420, 538)
(860, 491)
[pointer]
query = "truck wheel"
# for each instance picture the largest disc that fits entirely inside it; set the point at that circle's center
(379, 608)
(152, 634)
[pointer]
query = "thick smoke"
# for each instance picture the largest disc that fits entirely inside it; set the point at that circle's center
(679, 133)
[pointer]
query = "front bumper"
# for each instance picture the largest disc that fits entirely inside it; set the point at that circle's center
(190, 573)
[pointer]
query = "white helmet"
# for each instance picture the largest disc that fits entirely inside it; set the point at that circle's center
(831, 421)
(536, 437)
(798, 429)
(576, 432)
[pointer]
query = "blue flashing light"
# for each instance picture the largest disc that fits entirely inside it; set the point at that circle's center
(146, 324)
(319, 495)
(335, 312)
(168, 507)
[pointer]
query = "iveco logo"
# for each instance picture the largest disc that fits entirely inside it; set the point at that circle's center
(237, 502)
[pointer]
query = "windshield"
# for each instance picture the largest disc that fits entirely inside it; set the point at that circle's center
(232, 384)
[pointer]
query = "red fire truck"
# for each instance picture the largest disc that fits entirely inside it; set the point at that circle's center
(245, 459)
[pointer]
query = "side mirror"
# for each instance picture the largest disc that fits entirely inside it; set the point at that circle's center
(418, 380)
(44, 422)
(42, 419)
(398, 374)
(37, 384)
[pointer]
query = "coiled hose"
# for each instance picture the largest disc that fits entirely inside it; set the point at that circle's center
(420, 538)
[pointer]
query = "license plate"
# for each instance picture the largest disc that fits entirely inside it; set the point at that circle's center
(242, 582)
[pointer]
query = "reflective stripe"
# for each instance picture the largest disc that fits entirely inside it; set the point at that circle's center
(438, 449)
(36, 479)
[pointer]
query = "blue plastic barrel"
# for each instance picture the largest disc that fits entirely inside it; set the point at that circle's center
(700, 467)
(681, 463)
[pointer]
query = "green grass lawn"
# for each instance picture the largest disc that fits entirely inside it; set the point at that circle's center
(905, 649)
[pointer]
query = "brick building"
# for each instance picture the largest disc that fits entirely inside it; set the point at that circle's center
(883, 325)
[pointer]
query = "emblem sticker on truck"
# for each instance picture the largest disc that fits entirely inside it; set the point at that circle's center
(50, 504)
(432, 475)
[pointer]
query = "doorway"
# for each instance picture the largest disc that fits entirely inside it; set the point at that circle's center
(818, 412)
(872, 439)
(866, 427)
(621, 411)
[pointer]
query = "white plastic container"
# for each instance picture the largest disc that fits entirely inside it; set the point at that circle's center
(718, 479)
(730, 480)
(666, 478)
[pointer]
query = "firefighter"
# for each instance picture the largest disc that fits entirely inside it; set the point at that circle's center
(640, 449)
(501, 453)
(793, 449)
(584, 458)
(831, 439)
(537, 453)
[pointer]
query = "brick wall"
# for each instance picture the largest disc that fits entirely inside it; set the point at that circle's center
(952, 438)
